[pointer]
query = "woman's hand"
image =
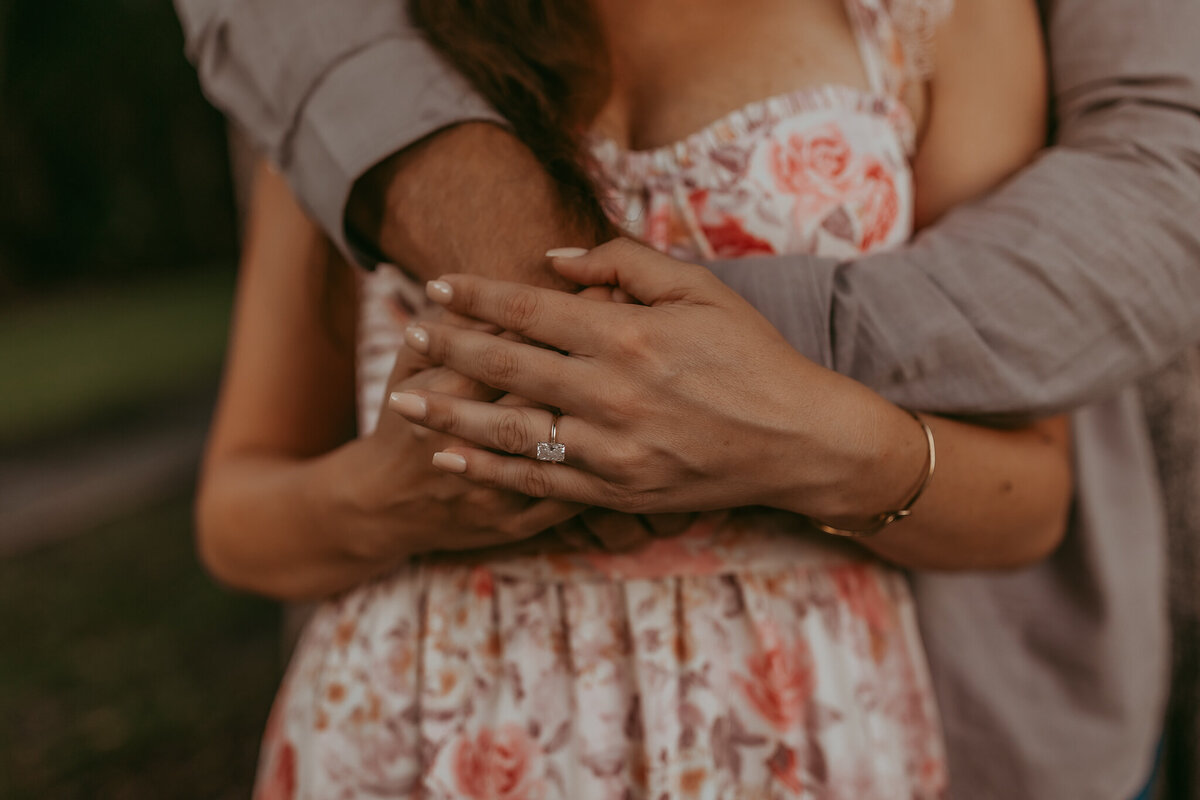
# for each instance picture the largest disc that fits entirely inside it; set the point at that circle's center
(503, 512)
(691, 401)
(404, 507)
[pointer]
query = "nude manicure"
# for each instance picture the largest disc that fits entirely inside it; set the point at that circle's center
(450, 462)
(566, 252)
(408, 404)
(417, 338)
(439, 292)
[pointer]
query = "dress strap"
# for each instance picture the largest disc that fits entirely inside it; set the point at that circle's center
(876, 39)
(895, 39)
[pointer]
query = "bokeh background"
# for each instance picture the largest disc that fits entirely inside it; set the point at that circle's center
(125, 672)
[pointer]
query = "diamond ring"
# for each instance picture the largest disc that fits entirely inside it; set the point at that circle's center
(552, 450)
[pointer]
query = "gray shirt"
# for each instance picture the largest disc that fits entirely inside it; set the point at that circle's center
(1080, 275)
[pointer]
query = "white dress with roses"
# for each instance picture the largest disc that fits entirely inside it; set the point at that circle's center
(750, 658)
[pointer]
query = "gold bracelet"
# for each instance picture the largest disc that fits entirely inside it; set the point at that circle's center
(888, 517)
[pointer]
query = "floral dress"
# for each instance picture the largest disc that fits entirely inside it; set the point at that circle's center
(751, 657)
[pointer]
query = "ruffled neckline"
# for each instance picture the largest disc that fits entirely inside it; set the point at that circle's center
(697, 148)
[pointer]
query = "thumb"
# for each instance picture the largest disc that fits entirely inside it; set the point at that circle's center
(649, 276)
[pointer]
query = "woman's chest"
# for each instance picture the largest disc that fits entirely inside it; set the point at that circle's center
(758, 128)
(677, 65)
(820, 171)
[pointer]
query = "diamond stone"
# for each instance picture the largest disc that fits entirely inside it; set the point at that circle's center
(547, 451)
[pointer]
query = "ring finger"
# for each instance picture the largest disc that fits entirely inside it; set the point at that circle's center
(510, 429)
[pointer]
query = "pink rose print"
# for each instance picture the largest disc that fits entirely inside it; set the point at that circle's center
(725, 233)
(482, 583)
(660, 229)
(781, 683)
(498, 766)
(819, 163)
(858, 588)
(730, 240)
(281, 783)
(785, 767)
(878, 205)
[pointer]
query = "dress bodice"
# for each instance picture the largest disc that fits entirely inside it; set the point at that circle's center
(821, 170)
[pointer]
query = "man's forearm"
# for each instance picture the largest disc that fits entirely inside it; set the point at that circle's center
(468, 199)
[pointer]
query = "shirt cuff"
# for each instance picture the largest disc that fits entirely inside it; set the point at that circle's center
(376, 102)
(794, 293)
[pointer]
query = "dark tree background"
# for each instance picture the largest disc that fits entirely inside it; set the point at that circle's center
(112, 165)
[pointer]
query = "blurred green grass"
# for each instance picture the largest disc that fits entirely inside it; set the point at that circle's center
(75, 359)
(126, 673)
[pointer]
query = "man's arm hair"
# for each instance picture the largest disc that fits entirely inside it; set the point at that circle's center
(1080, 274)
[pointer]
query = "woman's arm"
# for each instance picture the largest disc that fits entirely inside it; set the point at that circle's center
(693, 401)
(290, 505)
(988, 99)
(998, 498)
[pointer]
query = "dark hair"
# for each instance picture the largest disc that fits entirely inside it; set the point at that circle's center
(543, 66)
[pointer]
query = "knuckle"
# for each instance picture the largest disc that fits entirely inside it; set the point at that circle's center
(631, 341)
(520, 310)
(630, 500)
(630, 458)
(509, 432)
(621, 247)
(515, 528)
(441, 349)
(499, 365)
(445, 416)
(620, 404)
(535, 482)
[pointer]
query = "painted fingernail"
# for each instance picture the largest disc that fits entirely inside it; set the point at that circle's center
(450, 462)
(566, 252)
(439, 292)
(408, 404)
(417, 338)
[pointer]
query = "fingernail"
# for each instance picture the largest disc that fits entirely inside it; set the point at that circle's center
(450, 462)
(408, 404)
(566, 252)
(439, 292)
(417, 338)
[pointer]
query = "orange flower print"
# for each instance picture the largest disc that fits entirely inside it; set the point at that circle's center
(281, 783)
(687, 554)
(858, 587)
(878, 206)
(817, 163)
(726, 234)
(785, 768)
(660, 228)
(498, 766)
(482, 583)
(781, 682)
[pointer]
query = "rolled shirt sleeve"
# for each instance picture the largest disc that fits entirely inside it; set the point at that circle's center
(1080, 274)
(326, 90)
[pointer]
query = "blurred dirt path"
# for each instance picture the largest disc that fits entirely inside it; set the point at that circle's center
(71, 486)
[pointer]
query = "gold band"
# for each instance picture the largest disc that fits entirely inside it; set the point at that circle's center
(888, 517)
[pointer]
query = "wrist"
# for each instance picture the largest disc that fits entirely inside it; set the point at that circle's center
(853, 457)
(353, 492)
(882, 473)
